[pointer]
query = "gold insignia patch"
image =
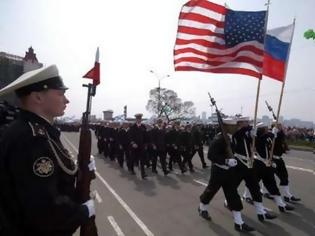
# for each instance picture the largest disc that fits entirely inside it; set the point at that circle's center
(43, 167)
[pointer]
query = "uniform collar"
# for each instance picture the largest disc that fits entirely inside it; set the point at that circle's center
(34, 118)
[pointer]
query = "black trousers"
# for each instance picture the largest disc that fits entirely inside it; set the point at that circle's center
(175, 157)
(105, 148)
(222, 178)
(162, 156)
(242, 172)
(281, 172)
(200, 153)
(100, 145)
(187, 158)
(266, 174)
(137, 155)
(122, 154)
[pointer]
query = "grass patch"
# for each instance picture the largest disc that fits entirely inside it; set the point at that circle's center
(301, 143)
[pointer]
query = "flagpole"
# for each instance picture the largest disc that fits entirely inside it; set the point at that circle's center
(282, 90)
(251, 159)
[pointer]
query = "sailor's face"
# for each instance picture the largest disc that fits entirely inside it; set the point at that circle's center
(54, 102)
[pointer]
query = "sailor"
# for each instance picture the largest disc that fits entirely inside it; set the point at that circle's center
(281, 169)
(37, 173)
(242, 146)
(223, 175)
(138, 145)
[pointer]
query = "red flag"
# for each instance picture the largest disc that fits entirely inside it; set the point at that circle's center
(213, 38)
(94, 73)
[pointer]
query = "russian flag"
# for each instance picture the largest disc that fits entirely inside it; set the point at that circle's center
(277, 44)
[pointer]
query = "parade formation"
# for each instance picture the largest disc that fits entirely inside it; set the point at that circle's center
(47, 191)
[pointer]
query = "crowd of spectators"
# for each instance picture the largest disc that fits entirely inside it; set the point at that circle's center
(294, 134)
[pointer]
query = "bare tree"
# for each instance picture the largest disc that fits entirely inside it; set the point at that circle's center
(165, 103)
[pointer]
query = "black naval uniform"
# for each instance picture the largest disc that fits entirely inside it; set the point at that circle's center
(37, 181)
(242, 141)
(122, 147)
(221, 176)
(159, 142)
(137, 135)
(198, 145)
(263, 171)
(186, 147)
(173, 144)
(278, 151)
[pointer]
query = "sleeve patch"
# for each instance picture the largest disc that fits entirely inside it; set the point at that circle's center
(43, 167)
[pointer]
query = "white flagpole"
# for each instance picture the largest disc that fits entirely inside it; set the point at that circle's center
(251, 159)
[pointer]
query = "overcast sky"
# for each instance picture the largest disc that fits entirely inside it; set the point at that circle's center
(138, 36)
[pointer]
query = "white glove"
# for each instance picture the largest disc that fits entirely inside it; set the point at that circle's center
(91, 207)
(253, 132)
(275, 131)
(92, 165)
(231, 162)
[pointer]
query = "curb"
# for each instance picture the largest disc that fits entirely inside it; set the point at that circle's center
(302, 148)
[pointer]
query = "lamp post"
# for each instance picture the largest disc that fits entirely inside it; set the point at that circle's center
(159, 77)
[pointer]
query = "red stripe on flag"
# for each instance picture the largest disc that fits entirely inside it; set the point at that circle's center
(221, 70)
(201, 42)
(208, 5)
(218, 63)
(209, 55)
(200, 18)
(196, 31)
(273, 68)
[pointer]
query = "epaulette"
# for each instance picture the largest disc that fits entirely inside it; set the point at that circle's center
(38, 130)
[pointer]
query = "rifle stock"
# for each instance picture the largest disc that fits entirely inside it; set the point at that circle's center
(224, 133)
(85, 176)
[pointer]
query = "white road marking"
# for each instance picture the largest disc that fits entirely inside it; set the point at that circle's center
(127, 208)
(302, 169)
(98, 197)
(200, 182)
(118, 198)
(115, 226)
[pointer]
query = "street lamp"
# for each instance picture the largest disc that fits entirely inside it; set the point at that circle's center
(159, 77)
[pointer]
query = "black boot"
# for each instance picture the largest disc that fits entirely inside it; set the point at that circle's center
(243, 228)
(286, 208)
(292, 199)
(204, 214)
(266, 216)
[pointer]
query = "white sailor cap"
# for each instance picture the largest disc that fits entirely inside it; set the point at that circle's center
(35, 80)
(138, 115)
(243, 119)
(230, 121)
(261, 125)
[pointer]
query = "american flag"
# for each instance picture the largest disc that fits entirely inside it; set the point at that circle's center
(213, 38)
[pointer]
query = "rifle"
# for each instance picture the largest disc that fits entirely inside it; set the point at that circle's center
(220, 121)
(269, 160)
(85, 176)
(271, 110)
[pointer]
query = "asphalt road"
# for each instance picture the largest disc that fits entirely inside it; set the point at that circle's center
(128, 205)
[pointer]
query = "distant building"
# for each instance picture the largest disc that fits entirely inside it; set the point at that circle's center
(12, 66)
(204, 116)
(108, 115)
(266, 120)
